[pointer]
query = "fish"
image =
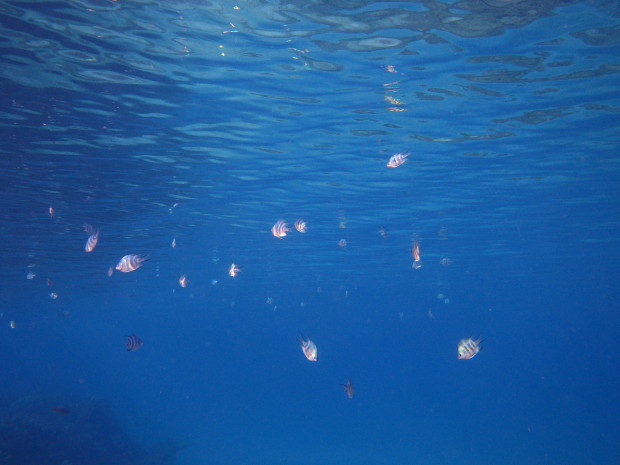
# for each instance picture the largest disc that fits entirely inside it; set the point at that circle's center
(468, 348)
(415, 251)
(397, 159)
(61, 410)
(342, 242)
(91, 242)
(300, 225)
(233, 271)
(383, 232)
(133, 342)
(174, 242)
(183, 281)
(131, 262)
(348, 388)
(309, 348)
(51, 212)
(279, 229)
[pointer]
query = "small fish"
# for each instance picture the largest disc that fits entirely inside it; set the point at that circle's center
(30, 275)
(348, 388)
(133, 342)
(51, 212)
(279, 229)
(300, 225)
(61, 410)
(183, 281)
(415, 251)
(233, 271)
(131, 262)
(397, 159)
(383, 232)
(342, 242)
(174, 242)
(53, 295)
(468, 348)
(309, 348)
(91, 242)
(110, 271)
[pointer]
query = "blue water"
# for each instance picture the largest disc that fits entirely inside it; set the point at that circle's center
(206, 122)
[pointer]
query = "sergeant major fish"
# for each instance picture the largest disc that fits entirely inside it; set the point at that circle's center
(91, 242)
(131, 262)
(309, 348)
(468, 348)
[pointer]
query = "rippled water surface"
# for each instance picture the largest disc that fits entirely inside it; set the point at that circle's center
(204, 123)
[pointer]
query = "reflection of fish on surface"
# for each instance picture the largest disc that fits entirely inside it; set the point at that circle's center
(131, 262)
(279, 229)
(468, 348)
(397, 159)
(133, 342)
(348, 388)
(301, 226)
(309, 348)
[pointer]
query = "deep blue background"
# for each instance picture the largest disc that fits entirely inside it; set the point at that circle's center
(155, 121)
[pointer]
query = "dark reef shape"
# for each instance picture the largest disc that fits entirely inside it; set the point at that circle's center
(31, 433)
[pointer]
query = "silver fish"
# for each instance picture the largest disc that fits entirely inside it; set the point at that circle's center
(279, 229)
(309, 348)
(301, 226)
(468, 348)
(397, 159)
(91, 242)
(131, 262)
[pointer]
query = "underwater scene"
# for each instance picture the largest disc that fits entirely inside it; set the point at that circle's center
(326, 232)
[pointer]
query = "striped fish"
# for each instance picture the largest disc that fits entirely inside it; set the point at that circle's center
(397, 159)
(301, 226)
(91, 242)
(309, 348)
(133, 342)
(468, 348)
(131, 262)
(279, 229)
